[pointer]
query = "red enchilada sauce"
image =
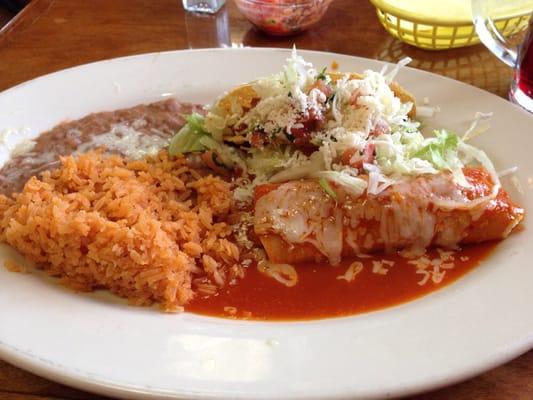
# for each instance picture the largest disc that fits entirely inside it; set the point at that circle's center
(320, 294)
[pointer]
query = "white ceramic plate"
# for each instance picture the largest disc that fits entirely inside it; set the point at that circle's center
(97, 343)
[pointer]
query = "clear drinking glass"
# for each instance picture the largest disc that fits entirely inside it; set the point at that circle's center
(208, 30)
(487, 15)
(203, 6)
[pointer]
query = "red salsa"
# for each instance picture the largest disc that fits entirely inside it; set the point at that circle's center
(283, 17)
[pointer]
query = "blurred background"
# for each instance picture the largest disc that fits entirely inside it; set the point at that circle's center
(121, 27)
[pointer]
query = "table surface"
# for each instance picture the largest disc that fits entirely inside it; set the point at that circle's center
(49, 35)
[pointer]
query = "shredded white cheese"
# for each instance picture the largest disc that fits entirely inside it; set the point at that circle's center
(353, 270)
(380, 267)
(435, 269)
(474, 129)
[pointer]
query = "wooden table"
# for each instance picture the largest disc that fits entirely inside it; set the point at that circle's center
(49, 35)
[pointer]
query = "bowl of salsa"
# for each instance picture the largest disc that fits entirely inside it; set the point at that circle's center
(283, 17)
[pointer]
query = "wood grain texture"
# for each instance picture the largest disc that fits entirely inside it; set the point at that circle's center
(50, 35)
(18, 396)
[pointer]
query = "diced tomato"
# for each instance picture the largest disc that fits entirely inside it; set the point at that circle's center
(347, 155)
(315, 119)
(310, 124)
(257, 139)
(367, 157)
(380, 128)
(321, 85)
(369, 154)
(353, 98)
(302, 136)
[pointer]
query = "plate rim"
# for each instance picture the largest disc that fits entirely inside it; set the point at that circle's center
(93, 383)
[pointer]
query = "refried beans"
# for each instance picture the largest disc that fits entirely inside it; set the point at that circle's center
(161, 119)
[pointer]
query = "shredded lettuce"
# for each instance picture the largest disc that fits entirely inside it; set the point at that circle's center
(229, 156)
(196, 122)
(409, 153)
(298, 72)
(324, 184)
(322, 75)
(299, 166)
(193, 137)
(188, 138)
(267, 161)
(436, 149)
(394, 154)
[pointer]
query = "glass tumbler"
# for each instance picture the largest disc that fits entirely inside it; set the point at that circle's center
(203, 6)
(486, 14)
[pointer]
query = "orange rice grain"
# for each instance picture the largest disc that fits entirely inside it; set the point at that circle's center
(142, 229)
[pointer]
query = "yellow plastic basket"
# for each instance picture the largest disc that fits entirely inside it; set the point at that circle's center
(440, 32)
(476, 67)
